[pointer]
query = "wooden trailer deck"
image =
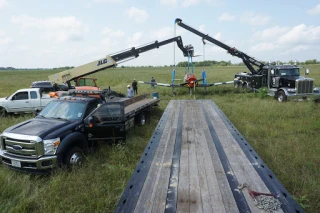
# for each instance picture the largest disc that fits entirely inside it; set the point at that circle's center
(194, 162)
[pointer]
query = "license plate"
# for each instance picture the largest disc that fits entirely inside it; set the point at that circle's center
(16, 163)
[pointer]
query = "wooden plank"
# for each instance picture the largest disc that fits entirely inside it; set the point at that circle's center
(194, 193)
(159, 200)
(220, 194)
(210, 196)
(148, 193)
(163, 182)
(148, 186)
(241, 166)
(183, 187)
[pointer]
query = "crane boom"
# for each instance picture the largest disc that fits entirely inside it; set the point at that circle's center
(111, 61)
(247, 60)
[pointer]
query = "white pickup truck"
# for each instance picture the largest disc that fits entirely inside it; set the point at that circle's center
(24, 101)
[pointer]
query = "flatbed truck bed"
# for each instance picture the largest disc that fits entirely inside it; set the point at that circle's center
(195, 161)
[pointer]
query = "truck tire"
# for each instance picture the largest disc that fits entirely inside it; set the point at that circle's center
(141, 119)
(3, 112)
(282, 97)
(236, 85)
(74, 157)
(246, 87)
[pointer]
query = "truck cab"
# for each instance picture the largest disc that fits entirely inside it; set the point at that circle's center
(284, 82)
(24, 101)
(62, 132)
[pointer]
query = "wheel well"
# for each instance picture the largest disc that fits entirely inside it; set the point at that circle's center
(2, 107)
(75, 139)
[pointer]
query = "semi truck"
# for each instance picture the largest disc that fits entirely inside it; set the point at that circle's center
(62, 133)
(283, 82)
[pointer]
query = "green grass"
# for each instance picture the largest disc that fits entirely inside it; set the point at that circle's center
(285, 135)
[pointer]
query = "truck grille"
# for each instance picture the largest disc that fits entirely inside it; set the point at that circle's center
(21, 147)
(304, 86)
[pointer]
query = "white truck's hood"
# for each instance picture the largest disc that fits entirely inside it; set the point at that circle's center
(3, 101)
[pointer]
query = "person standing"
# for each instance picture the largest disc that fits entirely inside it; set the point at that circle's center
(129, 91)
(135, 87)
(153, 82)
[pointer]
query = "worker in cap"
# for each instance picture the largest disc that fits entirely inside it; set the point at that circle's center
(135, 87)
(129, 91)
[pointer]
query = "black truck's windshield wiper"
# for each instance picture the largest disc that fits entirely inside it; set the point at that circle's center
(64, 119)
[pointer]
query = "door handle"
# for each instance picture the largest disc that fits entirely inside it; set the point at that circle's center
(27, 101)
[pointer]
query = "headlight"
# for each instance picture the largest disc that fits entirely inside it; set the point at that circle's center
(291, 90)
(50, 146)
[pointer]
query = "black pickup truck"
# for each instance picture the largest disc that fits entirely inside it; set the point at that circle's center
(64, 130)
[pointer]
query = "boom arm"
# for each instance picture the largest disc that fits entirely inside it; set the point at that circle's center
(111, 61)
(247, 60)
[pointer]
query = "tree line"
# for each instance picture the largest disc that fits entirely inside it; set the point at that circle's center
(206, 63)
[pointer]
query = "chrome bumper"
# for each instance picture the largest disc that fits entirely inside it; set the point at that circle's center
(294, 96)
(42, 163)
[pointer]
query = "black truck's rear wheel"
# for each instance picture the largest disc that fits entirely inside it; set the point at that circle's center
(282, 97)
(74, 157)
(142, 119)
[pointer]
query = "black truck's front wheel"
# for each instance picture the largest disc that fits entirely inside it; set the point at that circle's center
(282, 97)
(74, 157)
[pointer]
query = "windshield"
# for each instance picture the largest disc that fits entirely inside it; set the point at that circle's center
(65, 110)
(291, 72)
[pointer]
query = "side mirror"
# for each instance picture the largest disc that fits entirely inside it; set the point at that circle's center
(89, 121)
(36, 112)
(272, 72)
(307, 71)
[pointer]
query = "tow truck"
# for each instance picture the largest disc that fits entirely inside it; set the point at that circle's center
(282, 81)
(64, 130)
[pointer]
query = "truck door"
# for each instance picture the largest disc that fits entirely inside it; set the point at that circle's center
(19, 102)
(35, 101)
(106, 122)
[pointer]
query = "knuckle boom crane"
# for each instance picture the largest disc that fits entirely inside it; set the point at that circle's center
(65, 77)
(283, 81)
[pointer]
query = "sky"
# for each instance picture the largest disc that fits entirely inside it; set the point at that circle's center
(46, 34)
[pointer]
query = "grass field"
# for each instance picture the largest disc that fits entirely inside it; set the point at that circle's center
(285, 135)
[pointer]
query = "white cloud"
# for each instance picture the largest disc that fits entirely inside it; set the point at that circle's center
(271, 33)
(107, 1)
(137, 14)
(165, 33)
(254, 19)
(286, 40)
(226, 17)
(135, 39)
(187, 3)
(263, 47)
(170, 3)
(315, 10)
(53, 28)
(113, 33)
(4, 39)
(3, 4)
(217, 36)
(301, 34)
(202, 28)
